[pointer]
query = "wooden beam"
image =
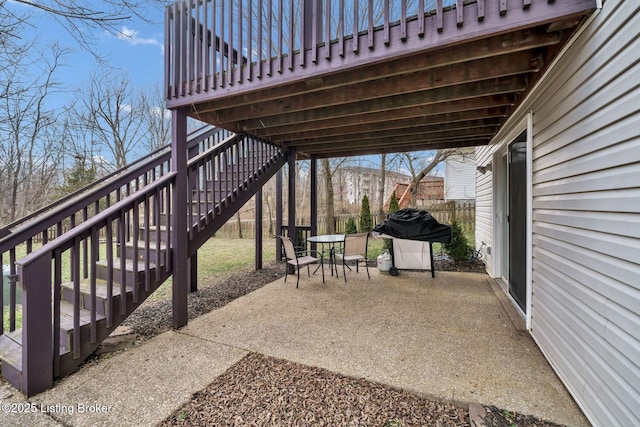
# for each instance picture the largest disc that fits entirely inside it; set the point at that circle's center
(371, 132)
(398, 148)
(503, 45)
(473, 71)
(379, 140)
(426, 97)
(465, 109)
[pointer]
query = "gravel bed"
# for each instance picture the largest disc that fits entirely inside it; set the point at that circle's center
(155, 317)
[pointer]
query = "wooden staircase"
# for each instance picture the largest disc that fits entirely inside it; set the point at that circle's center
(78, 287)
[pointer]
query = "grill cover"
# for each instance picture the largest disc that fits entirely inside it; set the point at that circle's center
(414, 224)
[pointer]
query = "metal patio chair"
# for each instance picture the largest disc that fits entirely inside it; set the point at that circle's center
(298, 259)
(354, 249)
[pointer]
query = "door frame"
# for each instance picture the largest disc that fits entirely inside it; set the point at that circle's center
(500, 198)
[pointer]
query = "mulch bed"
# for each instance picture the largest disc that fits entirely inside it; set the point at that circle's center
(265, 391)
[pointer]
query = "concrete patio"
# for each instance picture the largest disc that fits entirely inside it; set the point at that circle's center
(448, 337)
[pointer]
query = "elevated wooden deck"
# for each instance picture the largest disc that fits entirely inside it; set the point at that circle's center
(357, 77)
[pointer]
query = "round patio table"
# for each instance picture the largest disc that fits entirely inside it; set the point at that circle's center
(330, 240)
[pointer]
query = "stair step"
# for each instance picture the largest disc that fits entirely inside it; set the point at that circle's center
(11, 349)
(142, 246)
(102, 270)
(153, 230)
(66, 324)
(101, 294)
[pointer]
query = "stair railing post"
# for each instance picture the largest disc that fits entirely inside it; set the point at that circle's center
(179, 235)
(37, 326)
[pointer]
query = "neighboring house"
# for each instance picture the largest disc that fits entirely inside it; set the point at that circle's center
(558, 205)
(460, 176)
(356, 181)
(431, 189)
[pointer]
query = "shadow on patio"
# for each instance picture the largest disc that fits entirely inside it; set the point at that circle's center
(448, 337)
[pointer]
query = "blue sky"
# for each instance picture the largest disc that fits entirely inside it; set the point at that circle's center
(138, 51)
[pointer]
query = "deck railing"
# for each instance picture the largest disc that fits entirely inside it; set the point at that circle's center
(27, 234)
(216, 44)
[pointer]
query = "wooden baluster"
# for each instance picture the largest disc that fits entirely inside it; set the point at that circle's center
(403, 20)
(75, 277)
(136, 252)
(57, 281)
(370, 27)
(421, 18)
(109, 255)
(95, 249)
(355, 41)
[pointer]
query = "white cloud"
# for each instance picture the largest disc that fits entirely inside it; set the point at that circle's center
(133, 37)
(161, 112)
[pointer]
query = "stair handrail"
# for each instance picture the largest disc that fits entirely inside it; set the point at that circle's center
(163, 153)
(6, 230)
(252, 161)
(80, 206)
(41, 270)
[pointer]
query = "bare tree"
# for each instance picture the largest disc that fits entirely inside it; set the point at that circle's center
(422, 164)
(82, 19)
(381, 187)
(110, 112)
(156, 118)
(30, 147)
(329, 168)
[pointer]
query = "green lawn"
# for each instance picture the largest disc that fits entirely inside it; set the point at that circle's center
(222, 255)
(218, 256)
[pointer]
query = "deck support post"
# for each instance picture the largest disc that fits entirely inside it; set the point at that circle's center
(193, 272)
(314, 198)
(291, 220)
(37, 330)
(179, 236)
(258, 229)
(279, 205)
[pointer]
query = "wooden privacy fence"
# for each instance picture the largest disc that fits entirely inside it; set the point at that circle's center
(463, 212)
(444, 212)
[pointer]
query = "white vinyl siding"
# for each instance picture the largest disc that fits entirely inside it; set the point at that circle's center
(585, 312)
(484, 207)
(460, 177)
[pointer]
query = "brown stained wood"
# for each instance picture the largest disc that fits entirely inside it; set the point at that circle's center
(462, 68)
(511, 43)
(433, 96)
(382, 129)
(412, 135)
(449, 111)
(473, 71)
(394, 147)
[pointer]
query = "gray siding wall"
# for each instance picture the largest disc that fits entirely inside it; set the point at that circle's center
(585, 312)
